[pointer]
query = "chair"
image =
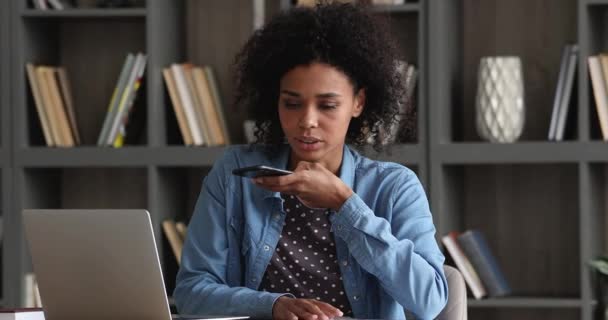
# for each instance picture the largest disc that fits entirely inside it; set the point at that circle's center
(456, 308)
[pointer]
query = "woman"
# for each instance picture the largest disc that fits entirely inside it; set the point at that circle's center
(343, 234)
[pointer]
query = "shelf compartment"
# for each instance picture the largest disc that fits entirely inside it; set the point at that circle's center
(529, 215)
(93, 53)
(84, 188)
(487, 29)
(85, 13)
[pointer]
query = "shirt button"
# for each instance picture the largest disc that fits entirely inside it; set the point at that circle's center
(277, 216)
(339, 227)
(266, 248)
(355, 298)
(345, 263)
(254, 280)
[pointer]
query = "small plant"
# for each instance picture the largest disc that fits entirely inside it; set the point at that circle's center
(600, 265)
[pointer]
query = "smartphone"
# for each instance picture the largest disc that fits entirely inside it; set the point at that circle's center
(259, 171)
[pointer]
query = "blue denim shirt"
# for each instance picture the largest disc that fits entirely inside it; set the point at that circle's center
(384, 236)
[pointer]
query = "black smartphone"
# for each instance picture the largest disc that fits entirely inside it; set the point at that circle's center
(259, 171)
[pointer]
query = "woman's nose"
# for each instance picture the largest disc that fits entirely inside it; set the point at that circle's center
(309, 118)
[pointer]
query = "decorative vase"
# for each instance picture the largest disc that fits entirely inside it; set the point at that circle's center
(499, 104)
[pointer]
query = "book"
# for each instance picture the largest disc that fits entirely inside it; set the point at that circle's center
(485, 264)
(66, 95)
(47, 103)
(178, 107)
(181, 229)
(39, 103)
(175, 240)
(599, 93)
(60, 110)
(22, 314)
(186, 99)
(126, 99)
(558, 91)
(118, 89)
(564, 101)
(118, 138)
(217, 101)
(212, 119)
(450, 241)
(197, 104)
(31, 292)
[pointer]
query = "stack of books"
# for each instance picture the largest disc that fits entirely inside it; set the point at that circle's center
(473, 257)
(53, 98)
(196, 101)
(113, 131)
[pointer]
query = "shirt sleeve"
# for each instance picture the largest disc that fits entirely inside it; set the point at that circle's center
(403, 253)
(202, 287)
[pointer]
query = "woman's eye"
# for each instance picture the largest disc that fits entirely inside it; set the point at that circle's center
(328, 106)
(290, 104)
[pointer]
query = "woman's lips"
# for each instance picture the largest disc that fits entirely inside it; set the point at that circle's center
(308, 143)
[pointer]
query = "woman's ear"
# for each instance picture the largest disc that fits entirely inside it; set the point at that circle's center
(359, 103)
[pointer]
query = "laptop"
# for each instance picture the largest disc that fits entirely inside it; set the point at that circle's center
(98, 264)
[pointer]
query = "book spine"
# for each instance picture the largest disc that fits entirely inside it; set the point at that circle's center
(122, 79)
(177, 107)
(478, 252)
(39, 102)
(124, 116)
(600, 94)
(66, 93)
(211, 116)
(217, 101)
(558, 91)
(122, 105)
(464, 265)
(174, 239)
(182, 90)
(565, 100)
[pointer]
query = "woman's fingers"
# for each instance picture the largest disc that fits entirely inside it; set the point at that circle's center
(328, 309)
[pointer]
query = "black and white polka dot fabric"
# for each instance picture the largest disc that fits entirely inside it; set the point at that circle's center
(304, 262)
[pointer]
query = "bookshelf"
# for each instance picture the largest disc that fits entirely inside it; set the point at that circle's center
(540, 204)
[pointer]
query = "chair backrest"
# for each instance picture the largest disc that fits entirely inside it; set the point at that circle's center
(456, 308)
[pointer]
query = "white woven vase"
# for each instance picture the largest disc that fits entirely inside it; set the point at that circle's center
(499, 104)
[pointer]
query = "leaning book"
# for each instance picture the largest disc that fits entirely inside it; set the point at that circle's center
(478, 251)
(22, 314)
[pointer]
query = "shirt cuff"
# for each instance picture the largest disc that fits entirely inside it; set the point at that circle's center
(345, 218)
(267, 304)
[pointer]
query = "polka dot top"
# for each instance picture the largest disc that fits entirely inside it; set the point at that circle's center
(304, 262)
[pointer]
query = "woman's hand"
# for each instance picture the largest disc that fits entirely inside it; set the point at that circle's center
(286, 308)
(312, 183)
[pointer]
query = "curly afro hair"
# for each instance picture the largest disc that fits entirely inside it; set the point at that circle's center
(345, 36)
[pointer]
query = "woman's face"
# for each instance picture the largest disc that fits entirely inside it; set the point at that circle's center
(316, 104)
